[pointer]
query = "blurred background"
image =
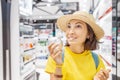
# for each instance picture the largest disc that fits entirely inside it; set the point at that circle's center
(26, 26)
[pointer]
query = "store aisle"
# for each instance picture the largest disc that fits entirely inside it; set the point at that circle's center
(33, 22)
(114, 69)
(43, 75)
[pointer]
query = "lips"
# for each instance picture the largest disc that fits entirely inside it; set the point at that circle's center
(71, 38)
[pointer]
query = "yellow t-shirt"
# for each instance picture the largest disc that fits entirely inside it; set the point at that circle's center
(76, 66)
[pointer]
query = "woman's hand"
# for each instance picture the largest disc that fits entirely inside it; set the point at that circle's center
(55, 52)
(103, 74)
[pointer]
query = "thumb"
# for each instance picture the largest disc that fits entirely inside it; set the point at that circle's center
(96, 78)
(108, 70)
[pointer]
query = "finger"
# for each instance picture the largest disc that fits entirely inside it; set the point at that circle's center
(58, 53)
(108, 70)
(96, 78)
(102, 75)
(57, 49)
(52, 47)
(106, 73)
(49, 46)
(55, 55)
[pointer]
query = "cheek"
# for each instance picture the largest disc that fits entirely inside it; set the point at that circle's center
(82, 36)
(81, 39)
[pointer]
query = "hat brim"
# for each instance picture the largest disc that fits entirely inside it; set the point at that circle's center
(64, 20)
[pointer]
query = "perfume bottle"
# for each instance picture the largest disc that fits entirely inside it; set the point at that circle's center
(57, 40)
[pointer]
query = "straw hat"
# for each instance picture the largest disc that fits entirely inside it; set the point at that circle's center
(83, 16)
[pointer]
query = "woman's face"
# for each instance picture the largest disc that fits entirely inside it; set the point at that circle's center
(76, 32)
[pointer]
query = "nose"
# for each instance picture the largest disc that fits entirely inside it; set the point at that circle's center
(71, 30)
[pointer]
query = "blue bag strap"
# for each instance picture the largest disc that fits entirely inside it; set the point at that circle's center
(63, 54)
(96, 59)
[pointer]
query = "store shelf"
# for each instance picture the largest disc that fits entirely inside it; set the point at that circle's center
(27, 73)
(29, 49)
(31, 60)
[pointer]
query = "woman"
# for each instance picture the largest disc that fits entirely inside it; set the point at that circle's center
(83, 35)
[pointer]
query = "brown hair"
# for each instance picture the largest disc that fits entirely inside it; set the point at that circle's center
(91, 43)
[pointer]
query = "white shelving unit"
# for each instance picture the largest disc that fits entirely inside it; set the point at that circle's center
(1, 49)
(103, 16)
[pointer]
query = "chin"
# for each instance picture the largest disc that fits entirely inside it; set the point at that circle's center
(72, 43)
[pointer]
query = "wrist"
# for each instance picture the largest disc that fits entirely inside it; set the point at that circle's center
(59, 65)
(58, 76)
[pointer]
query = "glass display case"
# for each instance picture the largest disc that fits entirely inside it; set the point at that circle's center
(116, 40)
(1, 48)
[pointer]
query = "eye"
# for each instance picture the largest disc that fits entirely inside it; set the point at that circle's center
(78, 26)
(68, 26)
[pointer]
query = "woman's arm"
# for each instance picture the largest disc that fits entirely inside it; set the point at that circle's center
(56, 54)
(57, 75)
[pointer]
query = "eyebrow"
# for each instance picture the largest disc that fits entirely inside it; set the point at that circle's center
(77, 23)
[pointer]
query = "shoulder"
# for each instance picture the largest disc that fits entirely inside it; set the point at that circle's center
(50, 66)
(101, 63)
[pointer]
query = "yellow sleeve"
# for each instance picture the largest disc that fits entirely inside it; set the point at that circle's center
(101, 64)
(51, 65)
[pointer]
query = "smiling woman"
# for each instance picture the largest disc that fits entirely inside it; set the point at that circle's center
(76, 33)
(83, 35)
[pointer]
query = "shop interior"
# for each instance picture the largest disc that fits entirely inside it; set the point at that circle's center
(38, 24)
(33, 22)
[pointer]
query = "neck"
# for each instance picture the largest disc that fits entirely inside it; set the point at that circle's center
(77, 49)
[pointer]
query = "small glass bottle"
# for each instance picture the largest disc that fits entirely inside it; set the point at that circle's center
(56, 40)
